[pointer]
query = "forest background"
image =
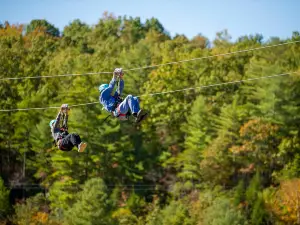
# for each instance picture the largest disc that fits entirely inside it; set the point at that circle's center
(225, 154)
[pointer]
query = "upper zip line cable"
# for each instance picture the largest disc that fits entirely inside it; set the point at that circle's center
(162, 93)
(153, 66)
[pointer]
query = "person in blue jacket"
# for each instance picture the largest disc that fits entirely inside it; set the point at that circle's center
(113, 103)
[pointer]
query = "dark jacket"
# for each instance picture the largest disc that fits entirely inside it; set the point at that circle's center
(57, 131)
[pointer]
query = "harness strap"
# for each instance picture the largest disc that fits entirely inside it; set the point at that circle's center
(116, 106)
(59, 142)
(119, 112)
(106, 118)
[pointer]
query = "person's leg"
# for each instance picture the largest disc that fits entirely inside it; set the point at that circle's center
(142, 115)
(70, 141)
(131, 103)
(65, 144)
(76, 141)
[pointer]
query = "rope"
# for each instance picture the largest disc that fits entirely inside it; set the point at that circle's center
(218, 84)
(153, 66)
(51, 76)
(212, 56)
(159, 93)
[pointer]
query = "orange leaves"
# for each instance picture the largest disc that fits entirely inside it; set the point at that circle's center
(258, 145)
(40, 218)
(11, 30)
(248, 169)
(258, 130)
(285, 202)
(238, 149)
(199, 41)
(256, 135)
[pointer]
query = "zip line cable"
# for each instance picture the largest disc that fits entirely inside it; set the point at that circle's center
(161, 93)
(218, 84)
(153, 66)
(212, 56)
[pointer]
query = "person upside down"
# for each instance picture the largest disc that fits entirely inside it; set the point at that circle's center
(64, 140)
(113, 102)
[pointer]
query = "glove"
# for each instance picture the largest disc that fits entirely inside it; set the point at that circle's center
(121, 74)
(118, 73)
(64, 108)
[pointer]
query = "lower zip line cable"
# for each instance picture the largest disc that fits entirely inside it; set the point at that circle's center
(162, 93)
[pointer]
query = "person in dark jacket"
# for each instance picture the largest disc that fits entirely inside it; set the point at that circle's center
(113, 103)
(64, 140)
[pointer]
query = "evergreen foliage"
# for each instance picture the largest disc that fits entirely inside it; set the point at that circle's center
(227, 154)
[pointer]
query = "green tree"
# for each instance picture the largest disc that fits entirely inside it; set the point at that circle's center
(76, 34)
(33, 211)
(76, 30)
(42, 25)
(175, 213)
(92, 206)
(198, 135)
(4, 199)
(154, 24)
(221, 212)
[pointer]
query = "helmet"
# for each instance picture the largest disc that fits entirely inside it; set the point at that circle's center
(102, 87)
(51, 122)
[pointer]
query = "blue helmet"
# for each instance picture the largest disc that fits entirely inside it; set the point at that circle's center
(51, 122)
(102, 87)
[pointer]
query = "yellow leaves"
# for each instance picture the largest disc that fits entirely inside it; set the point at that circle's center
(199, 41)
(40, 217)
(255, 134)
(258, 145)
(249, 169)
(237, 149)
(258, 130)
(121, 213)
(11, 30)
(285, 202)
(124, 216)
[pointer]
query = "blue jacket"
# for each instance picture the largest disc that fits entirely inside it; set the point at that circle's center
(107, 98)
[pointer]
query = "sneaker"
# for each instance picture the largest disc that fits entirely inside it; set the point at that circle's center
(81, 147)
(141, 116)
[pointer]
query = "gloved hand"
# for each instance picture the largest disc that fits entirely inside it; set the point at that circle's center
(118, 73)
(64, 108)
(121, 74)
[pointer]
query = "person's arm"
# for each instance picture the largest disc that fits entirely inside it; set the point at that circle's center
(56, 124)
(121, 87)
(112, 84)
(65, 122)
(65, 108)
(117, 75)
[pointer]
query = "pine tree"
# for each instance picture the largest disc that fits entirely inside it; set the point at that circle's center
(4, 199)
(92, 206)
(199, 132)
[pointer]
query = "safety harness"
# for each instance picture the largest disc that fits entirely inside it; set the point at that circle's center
(116, 110)
(63, 132)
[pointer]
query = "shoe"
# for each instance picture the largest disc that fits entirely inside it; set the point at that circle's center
(141, 116)
(81, 147)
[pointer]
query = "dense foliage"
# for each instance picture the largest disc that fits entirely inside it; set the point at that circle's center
(220, 155)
